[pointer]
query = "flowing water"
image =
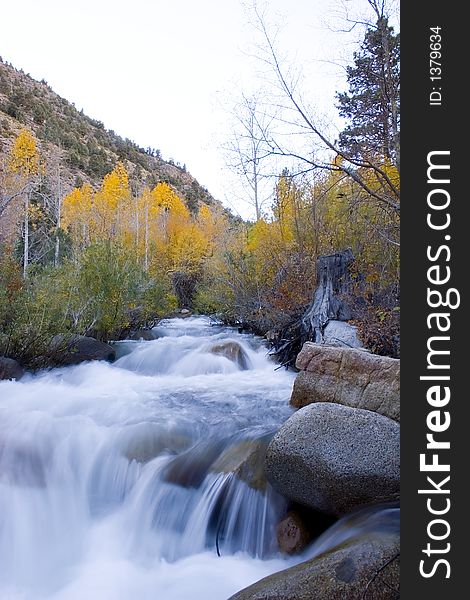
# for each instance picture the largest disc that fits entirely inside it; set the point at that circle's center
(123, 481)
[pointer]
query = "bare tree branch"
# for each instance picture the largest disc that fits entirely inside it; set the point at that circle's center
(388, 193)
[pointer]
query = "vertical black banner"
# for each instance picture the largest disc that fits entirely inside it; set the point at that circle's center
(435, 273)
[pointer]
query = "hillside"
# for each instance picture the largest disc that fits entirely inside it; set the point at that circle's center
(86, 150)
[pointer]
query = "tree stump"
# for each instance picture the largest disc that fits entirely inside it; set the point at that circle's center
(333, 286)
(329, 302)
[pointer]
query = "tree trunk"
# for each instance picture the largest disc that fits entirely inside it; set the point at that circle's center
(255, 189)
(26, 238)
(146, 241)
(184, 285)
(333, 285)
(329, 302)
(58, 205)
(57, 249)
(57, 236)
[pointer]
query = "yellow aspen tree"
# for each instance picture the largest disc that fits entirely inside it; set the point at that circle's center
(286, 210)
(207, 221)
(146, 210)
(24, 162)
(77, 214)
(24, 155)
(111, 202)
(187, 248)
(266, 246)
(172, 213)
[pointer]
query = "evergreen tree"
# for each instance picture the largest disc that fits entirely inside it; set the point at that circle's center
(372, 105)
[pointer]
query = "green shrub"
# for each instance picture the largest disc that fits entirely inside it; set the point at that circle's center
(104, 292)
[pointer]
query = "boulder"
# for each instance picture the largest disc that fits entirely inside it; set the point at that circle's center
(80, 348)
(341, 334)
(147, 335)
(246, 460)
(347, 376)
(363, 569)
(190, 468)
(335, 459)
(10, 369)
(293, 534)
(233, 351)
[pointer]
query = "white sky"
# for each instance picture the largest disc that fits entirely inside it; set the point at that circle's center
(161, 72)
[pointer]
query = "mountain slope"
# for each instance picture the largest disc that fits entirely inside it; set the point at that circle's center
(86, 150)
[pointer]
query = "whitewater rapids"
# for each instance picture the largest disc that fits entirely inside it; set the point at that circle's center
(109, 484)
(87, 510)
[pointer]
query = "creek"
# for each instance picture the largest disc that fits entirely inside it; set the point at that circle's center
(116, 480)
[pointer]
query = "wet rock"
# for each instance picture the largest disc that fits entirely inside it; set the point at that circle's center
(10, 369)
(293, 534)
(123, 348)
(190, 468)
(363, 569)
(246, 460)
(147, 335)
(334, 459)
(143, 443)
(80, 348)
(347, 376)
(233, 351)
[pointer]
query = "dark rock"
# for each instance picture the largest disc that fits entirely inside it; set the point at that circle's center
(246, 460)
(80, 348)
(147, 335)
(190, 468)
(10, 368)
(233, 351)
(334, 459)
(293, 534)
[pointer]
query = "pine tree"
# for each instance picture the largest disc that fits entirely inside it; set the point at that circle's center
(372, 105)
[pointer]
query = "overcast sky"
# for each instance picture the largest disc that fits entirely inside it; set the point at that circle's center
(163, 73)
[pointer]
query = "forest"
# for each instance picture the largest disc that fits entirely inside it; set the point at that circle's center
(108, 256)
(198, 401)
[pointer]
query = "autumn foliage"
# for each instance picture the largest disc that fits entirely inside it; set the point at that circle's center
(262, 274)
(96, 261)
(103, 260)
